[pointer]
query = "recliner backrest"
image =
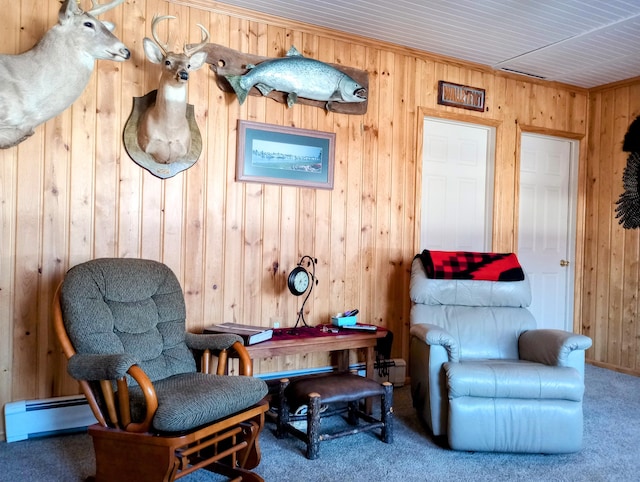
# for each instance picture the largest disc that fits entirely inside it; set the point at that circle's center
(486, 318)
(126, 305)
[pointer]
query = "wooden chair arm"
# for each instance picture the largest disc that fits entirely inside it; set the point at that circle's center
(150, 398)
(246, 364)
(121, 417)
(238, 351)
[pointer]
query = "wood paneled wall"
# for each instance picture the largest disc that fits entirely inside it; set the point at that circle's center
(610, 294)
(70, 193)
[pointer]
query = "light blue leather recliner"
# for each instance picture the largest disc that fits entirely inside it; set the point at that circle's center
(484, 376)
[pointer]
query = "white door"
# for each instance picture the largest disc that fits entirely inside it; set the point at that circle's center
(457, 186)
(546, 226)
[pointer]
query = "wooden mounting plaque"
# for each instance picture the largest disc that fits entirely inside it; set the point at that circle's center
(226, 61)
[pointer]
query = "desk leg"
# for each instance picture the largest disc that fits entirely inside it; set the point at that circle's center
(342, 360)
(368, 360)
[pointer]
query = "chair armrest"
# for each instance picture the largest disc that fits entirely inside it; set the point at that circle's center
(99, 367)
(436, 335)
(105, 369)
(551, 347)
(211, 341)
(223, 344)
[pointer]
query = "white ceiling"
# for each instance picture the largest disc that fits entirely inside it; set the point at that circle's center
(586, 43)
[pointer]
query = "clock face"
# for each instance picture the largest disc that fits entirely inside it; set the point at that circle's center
(298, 281)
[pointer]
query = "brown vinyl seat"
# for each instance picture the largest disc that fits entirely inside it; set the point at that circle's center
(121, 324)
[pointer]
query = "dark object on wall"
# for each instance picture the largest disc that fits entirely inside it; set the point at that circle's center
(632, 137)
(628, 206)
(226, 61)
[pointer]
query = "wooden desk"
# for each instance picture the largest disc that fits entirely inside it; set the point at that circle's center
(340, 343)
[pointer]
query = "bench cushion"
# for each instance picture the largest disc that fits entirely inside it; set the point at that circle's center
(342, 387)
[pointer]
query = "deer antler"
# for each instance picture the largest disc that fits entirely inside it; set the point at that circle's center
(205, 38)
(97, 9)
(154, 33)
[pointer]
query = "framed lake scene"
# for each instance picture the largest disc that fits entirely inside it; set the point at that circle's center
(290, 156)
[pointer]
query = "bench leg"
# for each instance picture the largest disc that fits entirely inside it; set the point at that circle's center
(352, 414)
(313, 426)
(386, 409)
(283, 410)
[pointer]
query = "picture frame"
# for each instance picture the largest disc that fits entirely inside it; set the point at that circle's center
(290, 156)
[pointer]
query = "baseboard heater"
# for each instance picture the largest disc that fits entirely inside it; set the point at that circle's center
(52, 416)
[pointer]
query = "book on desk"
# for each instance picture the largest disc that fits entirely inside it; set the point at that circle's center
(249, 333)
(359, 327)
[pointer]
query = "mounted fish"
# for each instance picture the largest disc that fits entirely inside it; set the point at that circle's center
(161, 134)
(299, 76)
(39, 84)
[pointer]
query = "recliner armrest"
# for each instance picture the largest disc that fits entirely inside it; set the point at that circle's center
(100, 367)
(436, 335)
(211, 341)
(551, 347)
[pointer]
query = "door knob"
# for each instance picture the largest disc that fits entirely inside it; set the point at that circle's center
(564, 263)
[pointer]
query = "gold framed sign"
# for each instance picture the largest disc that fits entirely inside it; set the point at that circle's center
(463, 96)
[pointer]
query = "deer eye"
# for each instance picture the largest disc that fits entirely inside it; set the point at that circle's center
(188, 66)
(89, 25)
(167, 62)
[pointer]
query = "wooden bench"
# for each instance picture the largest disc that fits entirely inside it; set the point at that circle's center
(339, 393)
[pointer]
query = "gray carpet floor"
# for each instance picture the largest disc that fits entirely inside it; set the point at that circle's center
(610, 453)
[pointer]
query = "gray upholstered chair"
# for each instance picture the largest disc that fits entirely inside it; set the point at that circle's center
(121, 324)
(484, 376)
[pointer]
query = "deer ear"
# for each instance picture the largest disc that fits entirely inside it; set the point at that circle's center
(152, 51)
(110, 25)
(197, 60)
(68, 9)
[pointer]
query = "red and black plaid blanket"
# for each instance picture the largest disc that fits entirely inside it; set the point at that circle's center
(470, 265)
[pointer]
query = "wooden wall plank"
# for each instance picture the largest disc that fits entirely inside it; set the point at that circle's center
(590, 265)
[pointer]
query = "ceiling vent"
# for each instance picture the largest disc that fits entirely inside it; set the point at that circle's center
(513, 71)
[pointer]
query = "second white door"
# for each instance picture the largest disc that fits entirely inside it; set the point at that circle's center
(546, 233)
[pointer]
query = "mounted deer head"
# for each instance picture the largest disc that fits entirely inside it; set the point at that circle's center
(164, 130)
(40, 83)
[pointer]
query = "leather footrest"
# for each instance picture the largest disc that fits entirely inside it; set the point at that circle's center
(513, 379)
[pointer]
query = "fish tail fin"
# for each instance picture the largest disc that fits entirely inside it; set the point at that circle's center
(234, 81)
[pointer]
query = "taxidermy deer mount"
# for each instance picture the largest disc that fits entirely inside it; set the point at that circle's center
(164, 130)
(41, 83)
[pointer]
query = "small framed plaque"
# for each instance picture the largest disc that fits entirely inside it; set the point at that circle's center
(463, 96)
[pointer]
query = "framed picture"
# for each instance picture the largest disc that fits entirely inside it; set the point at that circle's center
(291, 156)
